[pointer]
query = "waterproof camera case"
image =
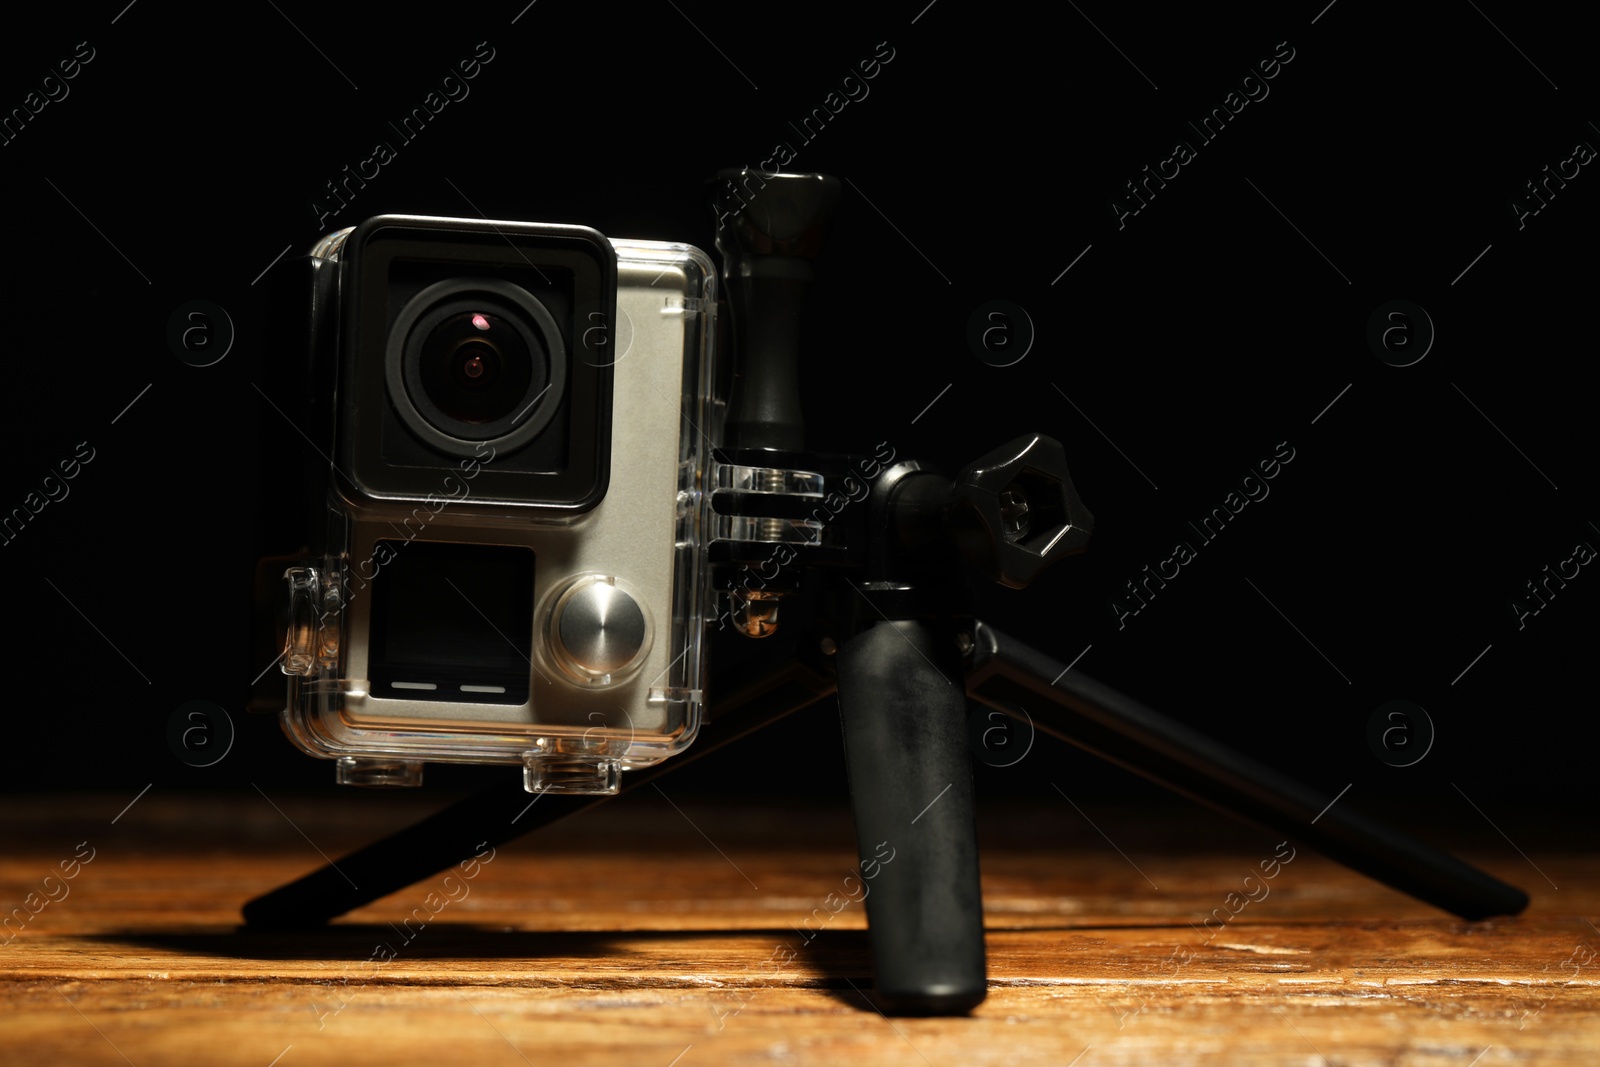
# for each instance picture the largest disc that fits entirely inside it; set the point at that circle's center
(514, 423)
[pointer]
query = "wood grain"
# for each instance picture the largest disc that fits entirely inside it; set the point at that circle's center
(640, 935)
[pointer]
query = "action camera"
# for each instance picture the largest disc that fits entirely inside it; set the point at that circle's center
(506, 558)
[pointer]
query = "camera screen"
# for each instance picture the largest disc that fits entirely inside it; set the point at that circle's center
(452, 622)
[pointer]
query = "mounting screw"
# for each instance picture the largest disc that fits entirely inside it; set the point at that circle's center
(1014, 511)
(827, 646)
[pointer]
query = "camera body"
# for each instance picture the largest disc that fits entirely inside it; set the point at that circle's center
(508, 564)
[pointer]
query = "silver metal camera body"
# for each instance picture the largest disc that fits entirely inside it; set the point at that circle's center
(512, 570)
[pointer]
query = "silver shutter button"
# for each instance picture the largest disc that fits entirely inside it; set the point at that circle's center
(598, 630)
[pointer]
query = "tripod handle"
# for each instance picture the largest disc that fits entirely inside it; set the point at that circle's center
(902, 696)
(769, 229)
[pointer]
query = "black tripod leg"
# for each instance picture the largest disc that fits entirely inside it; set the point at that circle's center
(505, 813)
(904, 706)
(1115, 727)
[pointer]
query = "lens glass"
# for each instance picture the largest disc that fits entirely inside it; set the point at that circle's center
(476, 367)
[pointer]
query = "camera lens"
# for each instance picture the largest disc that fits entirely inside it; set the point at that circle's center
(476, 367)
(474, 360)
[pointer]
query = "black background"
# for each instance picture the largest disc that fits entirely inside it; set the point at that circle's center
(982, 163)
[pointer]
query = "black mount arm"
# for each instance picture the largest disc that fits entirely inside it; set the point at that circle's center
(1023, 682)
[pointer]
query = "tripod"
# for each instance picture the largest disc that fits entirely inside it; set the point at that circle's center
(871, 550)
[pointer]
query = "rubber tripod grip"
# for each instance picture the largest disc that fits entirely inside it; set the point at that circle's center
(902, 697)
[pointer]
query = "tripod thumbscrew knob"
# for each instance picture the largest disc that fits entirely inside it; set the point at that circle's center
(1014, 511)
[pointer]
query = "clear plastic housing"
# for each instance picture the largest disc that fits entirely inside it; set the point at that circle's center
(647, 535)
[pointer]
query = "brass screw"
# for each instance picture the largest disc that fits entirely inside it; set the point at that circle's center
(755, 611)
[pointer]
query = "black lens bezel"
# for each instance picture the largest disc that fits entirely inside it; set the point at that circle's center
(377, 456)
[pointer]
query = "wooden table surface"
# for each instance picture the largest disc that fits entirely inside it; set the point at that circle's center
(641, 934)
